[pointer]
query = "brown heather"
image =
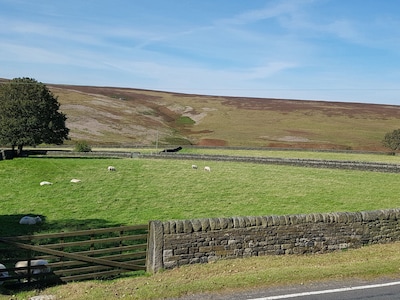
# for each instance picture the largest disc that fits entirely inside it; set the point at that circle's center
(123, 116)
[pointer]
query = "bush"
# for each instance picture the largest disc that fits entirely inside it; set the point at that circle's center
(392, 140)
(82, 146)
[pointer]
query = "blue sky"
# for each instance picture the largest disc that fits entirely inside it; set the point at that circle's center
(333, 50)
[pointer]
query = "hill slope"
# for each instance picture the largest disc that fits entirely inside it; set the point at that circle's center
(123, 116)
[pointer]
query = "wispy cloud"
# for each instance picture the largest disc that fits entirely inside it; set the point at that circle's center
(252, 46)
(275, 9)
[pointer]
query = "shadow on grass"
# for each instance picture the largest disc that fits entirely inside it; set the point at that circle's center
(10, 225)
(9, 255)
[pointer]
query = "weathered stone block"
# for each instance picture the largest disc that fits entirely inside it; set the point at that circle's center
(205, 249)
(194, 261)
(187, 226)
(205, 224)
(170, 264)
(196, 224)
(215, 224)
(224, 223)
(168, 253)
(181, 251)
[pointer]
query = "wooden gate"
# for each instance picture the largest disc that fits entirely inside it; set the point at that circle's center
(77, 255)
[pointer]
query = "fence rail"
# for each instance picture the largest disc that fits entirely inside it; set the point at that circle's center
(78, 255)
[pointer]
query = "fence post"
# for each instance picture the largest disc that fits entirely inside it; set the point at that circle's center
(155, 246)
(29, 266)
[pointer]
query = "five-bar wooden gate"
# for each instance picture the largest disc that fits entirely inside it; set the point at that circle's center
(77, 255)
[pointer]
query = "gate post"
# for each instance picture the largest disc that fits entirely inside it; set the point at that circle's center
(155, 246)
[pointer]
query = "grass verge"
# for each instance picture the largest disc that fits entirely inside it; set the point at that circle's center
(233, 276)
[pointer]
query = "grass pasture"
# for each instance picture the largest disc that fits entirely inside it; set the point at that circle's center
(147, 189)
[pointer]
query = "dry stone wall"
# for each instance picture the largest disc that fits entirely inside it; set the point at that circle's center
(314, 163)
(180, 242)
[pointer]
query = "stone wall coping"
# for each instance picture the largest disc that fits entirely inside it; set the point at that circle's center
(212, 224)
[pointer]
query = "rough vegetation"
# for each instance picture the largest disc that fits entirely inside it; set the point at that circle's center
(124, 116)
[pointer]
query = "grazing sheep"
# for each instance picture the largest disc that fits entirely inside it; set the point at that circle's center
(45, 183)
(3, 274)
(111, 168)
(75, 180)
(30, 220)
(39, 264)
(208, 169)
(194, 167)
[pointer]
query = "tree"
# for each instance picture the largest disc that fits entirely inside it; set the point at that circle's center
(392, 140)
(29, 115)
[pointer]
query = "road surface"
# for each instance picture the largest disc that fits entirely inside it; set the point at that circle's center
(349, 290)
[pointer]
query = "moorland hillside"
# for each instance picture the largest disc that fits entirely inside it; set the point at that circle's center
(132, 117)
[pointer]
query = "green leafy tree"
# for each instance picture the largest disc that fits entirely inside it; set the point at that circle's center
(29, 115)
(392, 140)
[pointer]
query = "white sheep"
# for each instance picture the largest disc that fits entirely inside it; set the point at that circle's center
(208, 169)
(74, 180)
(26, 220)
(111, 168)
(194, 167)
(45, 183)
(38, 266)
(3, 274)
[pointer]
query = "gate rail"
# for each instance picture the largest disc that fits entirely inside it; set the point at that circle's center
(76, 255)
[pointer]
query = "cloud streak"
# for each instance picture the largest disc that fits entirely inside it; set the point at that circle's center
(297, 49)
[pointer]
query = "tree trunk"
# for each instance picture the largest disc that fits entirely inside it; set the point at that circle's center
(12, 151)
(19, 150)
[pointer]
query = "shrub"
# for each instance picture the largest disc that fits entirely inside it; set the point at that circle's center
(392, 140)
(82, 146)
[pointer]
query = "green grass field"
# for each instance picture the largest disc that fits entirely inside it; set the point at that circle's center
(148, 189)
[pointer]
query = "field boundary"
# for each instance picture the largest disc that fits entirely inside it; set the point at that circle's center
(315, 163)
(76, 255)
(179, 242)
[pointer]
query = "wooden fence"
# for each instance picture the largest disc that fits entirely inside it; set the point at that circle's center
(77, 255)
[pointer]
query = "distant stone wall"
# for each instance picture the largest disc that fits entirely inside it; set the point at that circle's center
(180, 242)
(74, 154)
(314, 163)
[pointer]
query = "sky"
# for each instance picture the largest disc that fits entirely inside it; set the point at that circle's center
(330, 50)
